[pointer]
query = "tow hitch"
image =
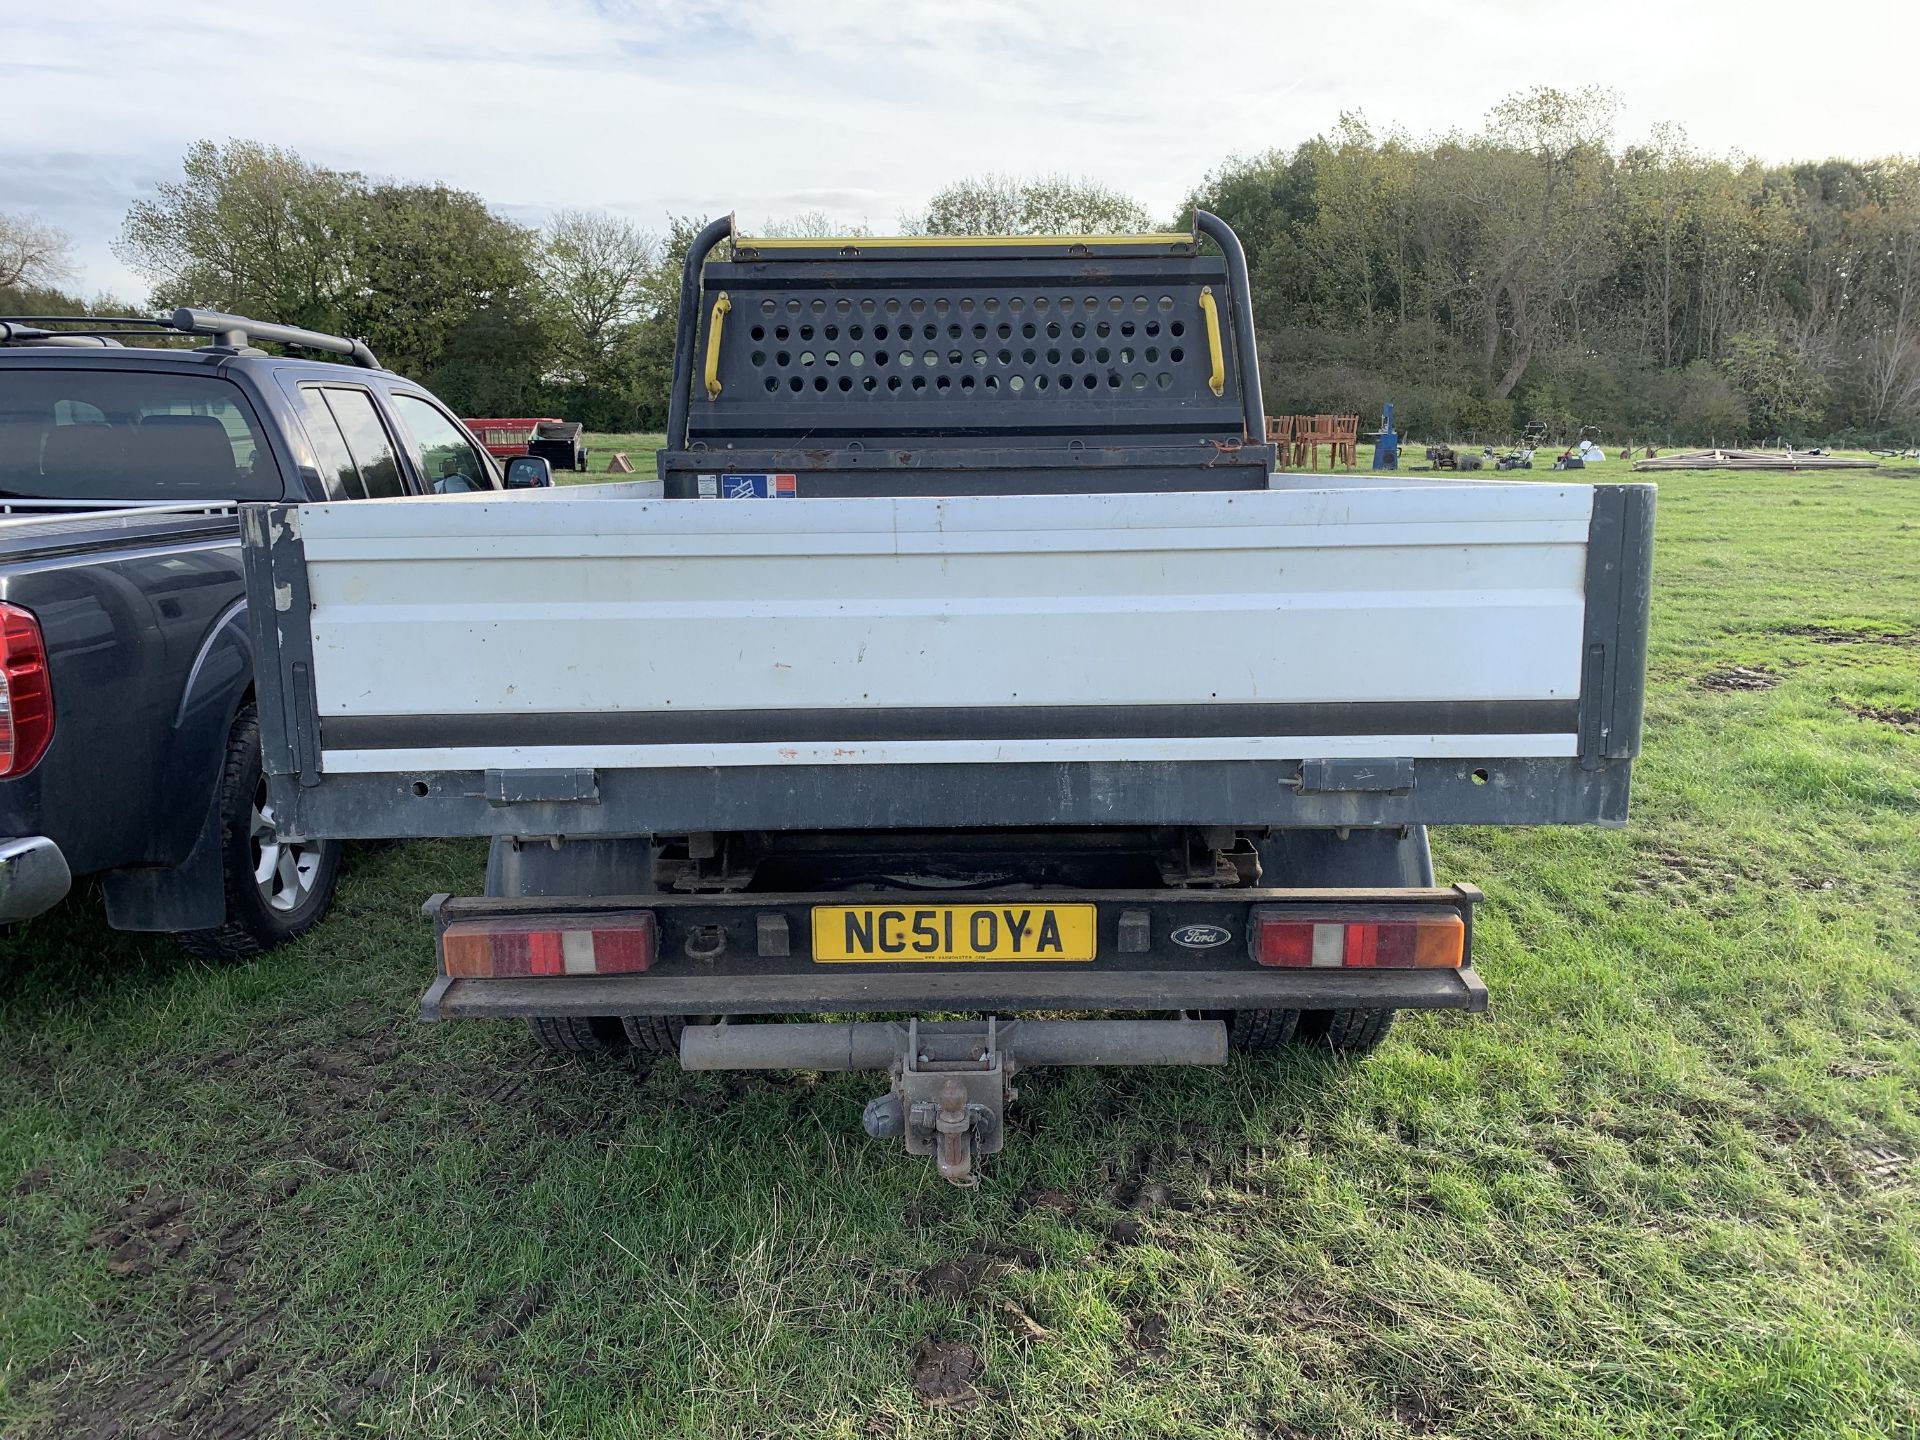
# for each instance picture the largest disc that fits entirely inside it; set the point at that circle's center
(952, 1080)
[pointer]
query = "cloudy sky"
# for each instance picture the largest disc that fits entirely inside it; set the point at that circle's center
(771, 107)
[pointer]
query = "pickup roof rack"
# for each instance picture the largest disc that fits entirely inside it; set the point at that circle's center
(232, 334)
(953, 364)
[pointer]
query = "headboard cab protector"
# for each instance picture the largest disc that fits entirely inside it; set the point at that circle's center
(965, 365)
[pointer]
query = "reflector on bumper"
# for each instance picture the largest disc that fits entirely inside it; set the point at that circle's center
(611, 944)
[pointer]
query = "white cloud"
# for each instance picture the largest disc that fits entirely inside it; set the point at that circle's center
(858, 109)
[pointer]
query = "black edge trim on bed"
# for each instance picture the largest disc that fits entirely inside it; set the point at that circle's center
(1488, 790)
(995, 722)
(1619, 582)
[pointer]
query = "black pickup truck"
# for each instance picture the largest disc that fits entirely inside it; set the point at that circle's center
(129, 740)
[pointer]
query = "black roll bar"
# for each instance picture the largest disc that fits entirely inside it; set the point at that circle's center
(1251, 399)
(687, 330)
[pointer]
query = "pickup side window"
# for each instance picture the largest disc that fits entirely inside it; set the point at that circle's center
(338, 473)
(96, 434)
(447, 460)
(357, 459)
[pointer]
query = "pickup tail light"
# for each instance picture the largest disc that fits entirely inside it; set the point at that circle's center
(525, 945)
(1377, 940)
(26, 692)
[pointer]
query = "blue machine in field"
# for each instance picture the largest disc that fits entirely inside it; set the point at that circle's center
(1386, 446)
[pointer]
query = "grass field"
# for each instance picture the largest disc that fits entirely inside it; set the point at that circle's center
(1671, 1184)
(602, 447)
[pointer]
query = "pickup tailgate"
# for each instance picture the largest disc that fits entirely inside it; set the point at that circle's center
(1377, 654)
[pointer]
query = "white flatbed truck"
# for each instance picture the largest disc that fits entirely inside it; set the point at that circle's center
(969, 656)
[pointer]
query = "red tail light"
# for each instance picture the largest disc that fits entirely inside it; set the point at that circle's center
(604, 944)
(26, 692)
(1374, 940)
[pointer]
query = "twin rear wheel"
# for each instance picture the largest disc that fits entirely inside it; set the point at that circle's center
(646, 1035)
(1347, 1032)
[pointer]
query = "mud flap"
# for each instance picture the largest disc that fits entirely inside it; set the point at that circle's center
(189, 896)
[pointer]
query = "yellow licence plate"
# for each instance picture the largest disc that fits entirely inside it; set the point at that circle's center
(949, 934)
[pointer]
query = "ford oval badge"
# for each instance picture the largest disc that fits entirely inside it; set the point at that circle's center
(1201, 937)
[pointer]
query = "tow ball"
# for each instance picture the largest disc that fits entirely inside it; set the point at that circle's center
(950, 1092)
(952, 1080)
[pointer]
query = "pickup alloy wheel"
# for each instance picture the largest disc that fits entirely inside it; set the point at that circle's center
(285, 872)
(274, 890)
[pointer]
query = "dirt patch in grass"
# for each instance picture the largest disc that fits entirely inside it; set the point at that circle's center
(1834, 635)
(1670, 867)
(1148, 1333)
(1050, 1202)
(1880, 1167)
(1419, 1410)
(142, 1235)
(1901, 717)
(199, 1388)
(1158, 1195)
(191, 1374)
(354, 1398)
(514, 1313)
(959, 1277)
(944, 1371)
(1738, 677)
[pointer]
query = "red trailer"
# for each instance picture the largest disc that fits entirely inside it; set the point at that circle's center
(504, 438)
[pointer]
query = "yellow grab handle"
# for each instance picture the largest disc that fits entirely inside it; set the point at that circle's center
(1217, 380)
(721, 306)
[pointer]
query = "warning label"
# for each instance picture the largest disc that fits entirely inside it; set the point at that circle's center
(758, 487)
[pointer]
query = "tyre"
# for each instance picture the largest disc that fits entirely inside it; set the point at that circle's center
(275, 890)
(1345, 1032)
(654, 1035)
(621, 866)
(577, 1034)
(1260, 1032)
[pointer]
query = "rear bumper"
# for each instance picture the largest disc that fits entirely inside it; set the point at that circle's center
(33, 877)
(761, 965)
(977, 988)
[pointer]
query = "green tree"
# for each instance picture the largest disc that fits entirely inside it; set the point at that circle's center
(1043, 205)
(808, 225)
(250, 228)
(1540, 181)
(425, 259)
(627, 388)
(1709, 408)
(594, 270)
(1782, 391)
(1890, 346)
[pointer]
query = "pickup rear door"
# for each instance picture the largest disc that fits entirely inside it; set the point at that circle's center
(1381, 654)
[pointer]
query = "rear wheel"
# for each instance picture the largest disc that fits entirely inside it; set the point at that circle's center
(654, 1035)
(577, 1034)
(1301, 858)
(275, 889)
(614, 866)
(1261, 1032)
(1346, 1032)
(522, 870)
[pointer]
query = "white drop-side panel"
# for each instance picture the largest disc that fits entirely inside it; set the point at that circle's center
(1411, 592)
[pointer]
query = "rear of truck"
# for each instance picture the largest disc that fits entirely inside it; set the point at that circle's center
(972, 662)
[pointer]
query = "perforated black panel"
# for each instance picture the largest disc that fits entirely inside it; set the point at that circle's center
(1009, 364)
